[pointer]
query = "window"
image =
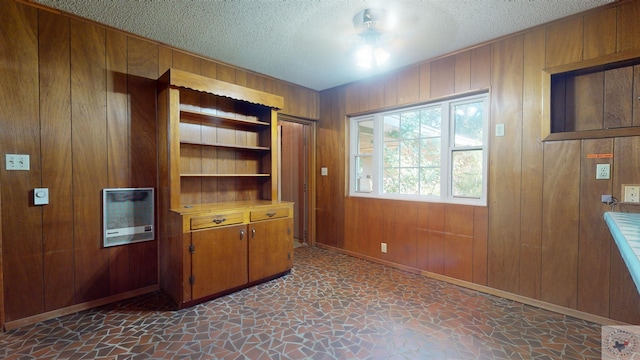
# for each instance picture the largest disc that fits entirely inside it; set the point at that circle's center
(434, 152)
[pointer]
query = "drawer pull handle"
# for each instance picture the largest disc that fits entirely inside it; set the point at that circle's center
(219, 220)
(271, 214)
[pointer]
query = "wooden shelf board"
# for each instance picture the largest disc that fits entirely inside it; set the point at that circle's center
(225, 175)
(241, 147)
(593, 134)
(220, 120)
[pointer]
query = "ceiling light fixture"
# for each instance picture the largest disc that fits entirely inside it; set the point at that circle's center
(370, 24)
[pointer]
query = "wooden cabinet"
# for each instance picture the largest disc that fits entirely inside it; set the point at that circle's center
(221, 224)
(218, 260)
(270, 247)
(592, 99)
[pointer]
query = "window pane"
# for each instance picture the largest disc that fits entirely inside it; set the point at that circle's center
(391, 181)
(466, 176)
(409, 181)
(410, 153)
(365, 137)
(430, 152)
(364, 168)
(392, 127)
(430, 122)
(430, 181)
(391, 155)
(410, 125)
(468, 124)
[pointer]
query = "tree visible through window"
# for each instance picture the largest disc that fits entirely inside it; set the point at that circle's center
(434, 152)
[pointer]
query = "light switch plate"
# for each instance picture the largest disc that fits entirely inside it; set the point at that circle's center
(499, 129)
(324, 171)
(16, 162)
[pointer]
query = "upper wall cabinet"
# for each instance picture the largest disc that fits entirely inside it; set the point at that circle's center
(598, 99)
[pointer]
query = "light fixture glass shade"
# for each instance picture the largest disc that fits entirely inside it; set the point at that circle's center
(368, 56)
(370, 23)
(380, 55)
(364, 56)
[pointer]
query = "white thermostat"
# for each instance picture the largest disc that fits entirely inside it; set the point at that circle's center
(40, 196)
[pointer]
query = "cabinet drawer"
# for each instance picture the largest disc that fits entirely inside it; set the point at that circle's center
(203, 222)
(273, 213)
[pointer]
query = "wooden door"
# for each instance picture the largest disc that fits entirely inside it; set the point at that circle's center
(270, 248)
(295, 173)
(219, 260)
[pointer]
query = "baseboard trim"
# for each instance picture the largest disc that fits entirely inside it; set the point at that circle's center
(484, 289)
(10, 325)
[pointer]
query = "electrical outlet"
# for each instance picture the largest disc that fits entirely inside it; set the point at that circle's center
(603, 171)
(630, 193)
(383, 247)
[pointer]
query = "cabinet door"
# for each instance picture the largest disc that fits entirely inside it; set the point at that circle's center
(270, 248)
(219, 260)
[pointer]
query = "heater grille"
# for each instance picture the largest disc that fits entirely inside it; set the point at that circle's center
(128, 216)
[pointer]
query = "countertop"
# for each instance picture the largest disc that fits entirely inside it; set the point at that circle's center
(625, 228)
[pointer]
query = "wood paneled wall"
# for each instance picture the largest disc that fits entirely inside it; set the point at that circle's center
(542, 235)
(443, 239)
(80, 100)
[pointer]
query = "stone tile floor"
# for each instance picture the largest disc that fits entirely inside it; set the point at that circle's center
(331, 306)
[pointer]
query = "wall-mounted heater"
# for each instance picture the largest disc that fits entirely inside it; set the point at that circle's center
(128, 216)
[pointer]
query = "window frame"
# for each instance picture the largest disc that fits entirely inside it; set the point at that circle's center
(447, 149)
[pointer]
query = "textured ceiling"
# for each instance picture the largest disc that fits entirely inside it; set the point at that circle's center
(311, 42)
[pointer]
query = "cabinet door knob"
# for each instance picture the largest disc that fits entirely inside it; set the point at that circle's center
(219, 220)
(253, 232)
(241, 234)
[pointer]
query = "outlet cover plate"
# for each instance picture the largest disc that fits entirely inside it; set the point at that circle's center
(603, 171)
(631, 193)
